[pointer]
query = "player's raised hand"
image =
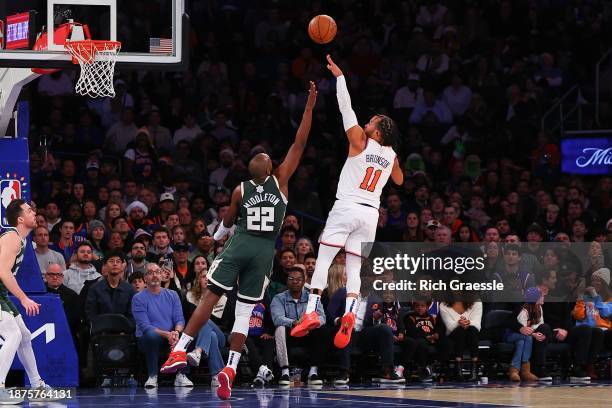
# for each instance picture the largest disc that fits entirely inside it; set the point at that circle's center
(312, 96)
(331, 65)
(31, 307)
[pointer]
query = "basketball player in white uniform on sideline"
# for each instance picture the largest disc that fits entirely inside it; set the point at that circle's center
(354, 216)
(17, 338)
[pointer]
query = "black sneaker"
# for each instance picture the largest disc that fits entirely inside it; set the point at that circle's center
(425, 374)
(343, 379)
(543, 376)
(284, 380)
(578, 375)
(314, 380)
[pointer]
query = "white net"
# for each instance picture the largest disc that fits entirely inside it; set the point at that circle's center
(97, 60)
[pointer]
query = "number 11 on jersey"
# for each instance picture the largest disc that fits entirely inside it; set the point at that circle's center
(366, 184)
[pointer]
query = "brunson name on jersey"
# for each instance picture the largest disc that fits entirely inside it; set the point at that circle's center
(374, 158)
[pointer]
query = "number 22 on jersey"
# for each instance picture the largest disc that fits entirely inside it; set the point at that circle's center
(369, 182)
(260, 218)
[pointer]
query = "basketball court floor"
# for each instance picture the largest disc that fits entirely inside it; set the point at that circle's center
(448, 395)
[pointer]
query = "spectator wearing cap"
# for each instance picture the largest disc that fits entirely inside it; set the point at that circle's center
(217, 177)
(182, 273)
(112, 294)
(406, 97)
(160, 135)
(204, 246)
(136, 211)
(121, 134)
(81, 270)
(92, 175)
(44, 255)
(167, 206)
(430, 230)
(96, 230)
(137, 259)
(143, 236)
(139, 161)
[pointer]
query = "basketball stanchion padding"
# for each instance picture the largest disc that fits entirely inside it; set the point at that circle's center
(97, 60)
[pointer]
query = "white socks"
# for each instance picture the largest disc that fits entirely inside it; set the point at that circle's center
(313, 371)
(351, 303)
(233, 359)
(313, 302)
(285, 371)
(183, 342)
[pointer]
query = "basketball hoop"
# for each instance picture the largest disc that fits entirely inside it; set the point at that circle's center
(97, 60)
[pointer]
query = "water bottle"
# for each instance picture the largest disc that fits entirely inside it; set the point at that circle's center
(131, 382)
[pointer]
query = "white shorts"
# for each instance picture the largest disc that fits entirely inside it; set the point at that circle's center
(349, 225)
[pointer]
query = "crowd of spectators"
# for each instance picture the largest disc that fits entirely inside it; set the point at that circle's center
(148, 173)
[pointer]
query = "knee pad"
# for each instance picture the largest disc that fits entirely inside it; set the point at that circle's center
(242, 317)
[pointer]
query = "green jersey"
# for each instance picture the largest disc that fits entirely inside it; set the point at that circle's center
(262, 209)
(5, 303)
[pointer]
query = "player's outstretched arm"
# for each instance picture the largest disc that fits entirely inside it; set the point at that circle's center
(354, 132)
(397, 175)
(9, 247)
(286, 169)
(230, 217)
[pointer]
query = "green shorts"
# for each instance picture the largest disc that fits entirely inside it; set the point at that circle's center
(246, 261)
(7, 306)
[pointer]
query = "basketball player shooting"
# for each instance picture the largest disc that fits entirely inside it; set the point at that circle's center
(17, 338)
(353, 218)
(247, 257)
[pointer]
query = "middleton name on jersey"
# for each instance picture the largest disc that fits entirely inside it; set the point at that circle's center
(381, 161)
(260, 198)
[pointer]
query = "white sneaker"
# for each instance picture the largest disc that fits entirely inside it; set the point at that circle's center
(151, 382)
(6, 398)
(46, 393)
(193, 358)
(265, 373)
(214, 382)
(181, 380)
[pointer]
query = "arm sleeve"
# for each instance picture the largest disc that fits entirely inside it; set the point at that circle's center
(278, 313)
(579, 312)
(349, 119)
(522, 318)
(450, 317)
(139, 311)
(476, 315)
(177, 311)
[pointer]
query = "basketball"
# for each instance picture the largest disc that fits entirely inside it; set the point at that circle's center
(322, 29)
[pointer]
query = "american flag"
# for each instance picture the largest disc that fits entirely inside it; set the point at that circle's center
(160, 45)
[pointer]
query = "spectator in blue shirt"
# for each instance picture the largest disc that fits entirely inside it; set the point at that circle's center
(159, 322)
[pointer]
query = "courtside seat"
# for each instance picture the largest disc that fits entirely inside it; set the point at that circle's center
(114, 346)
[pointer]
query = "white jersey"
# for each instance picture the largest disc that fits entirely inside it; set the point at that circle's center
(363, 176)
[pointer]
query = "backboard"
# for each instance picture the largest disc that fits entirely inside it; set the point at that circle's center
(153, 33)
